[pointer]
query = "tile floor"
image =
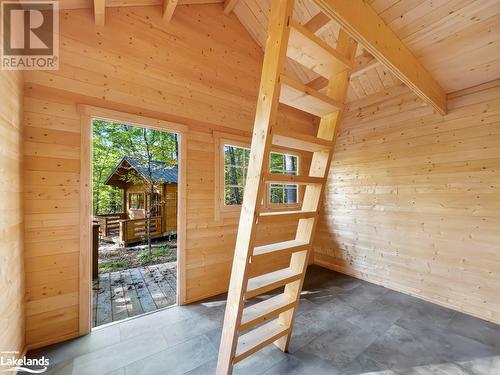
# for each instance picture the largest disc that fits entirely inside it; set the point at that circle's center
(343, 326)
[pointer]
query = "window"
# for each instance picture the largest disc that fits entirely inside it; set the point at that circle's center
(235, 173)
(283, 193)
(136, 201)
(235, 170)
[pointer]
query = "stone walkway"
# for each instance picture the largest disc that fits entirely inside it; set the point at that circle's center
(123, 294)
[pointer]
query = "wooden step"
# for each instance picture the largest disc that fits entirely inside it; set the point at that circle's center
(256, 339)
(297, 95)
(314, 53)
(269, 281)
(291, 179)
(280, 247)
(300, 141)
(265, 310)
(282, 216)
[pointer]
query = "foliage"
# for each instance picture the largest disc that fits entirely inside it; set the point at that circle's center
(111, 142)
(235, 170)
(146, 258)
(113, 265)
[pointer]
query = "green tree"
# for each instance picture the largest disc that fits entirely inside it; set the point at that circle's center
(111, 142)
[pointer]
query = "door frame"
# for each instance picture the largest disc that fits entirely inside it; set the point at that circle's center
(87, 113)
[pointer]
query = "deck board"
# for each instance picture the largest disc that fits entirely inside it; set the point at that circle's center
(118, 302)
(163, 284)
(134, 306)
(154, 288)
(122, 294)
(103, 310)
(144, 295)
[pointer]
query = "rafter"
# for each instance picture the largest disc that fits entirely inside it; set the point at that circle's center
(229, 6)
(359, 19)
(99, 12)
(168, 9)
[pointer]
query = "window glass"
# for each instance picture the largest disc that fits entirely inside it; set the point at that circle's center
(283, 193)
(235, 170)
(136, 201)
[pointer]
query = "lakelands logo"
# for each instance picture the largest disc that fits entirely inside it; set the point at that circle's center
(9, 361)
(30, 35)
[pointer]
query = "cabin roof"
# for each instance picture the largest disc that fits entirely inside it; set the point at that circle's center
(161, 172)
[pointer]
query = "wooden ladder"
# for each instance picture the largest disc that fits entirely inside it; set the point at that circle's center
(274, 316)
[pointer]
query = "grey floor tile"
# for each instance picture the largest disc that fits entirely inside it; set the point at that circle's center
(400, 348)
(480, 330)
(151, 323)
(120, 371)
(118, 355)
(449, 346)
(204, 369)
(362, 295)
(260, 362)
(302, 364)
(482, 366)
(360, 365)
(329, 313)
(424, 314)
(304, 331)
(377, 316)
(343, 325)
(182, 331)
(178, 359)
(61, 368)
(70, 349)
(341, 344)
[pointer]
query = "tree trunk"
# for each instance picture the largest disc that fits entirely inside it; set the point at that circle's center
(233, 176)
(291, 189)
(151, 191)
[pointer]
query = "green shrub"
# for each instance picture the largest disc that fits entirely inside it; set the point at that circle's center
(114, 265)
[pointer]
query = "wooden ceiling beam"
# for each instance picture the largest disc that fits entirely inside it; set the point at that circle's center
(169, 9)
(99, 12)
(362, 64)
(359, 19)
(229, 6)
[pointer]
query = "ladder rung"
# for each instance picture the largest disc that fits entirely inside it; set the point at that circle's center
(299, 141)
(271, 217)
(269, 281)
(256, 339)
(297, 95)
(315, 54)
(265, 310)
(291, 179)
(278, 247)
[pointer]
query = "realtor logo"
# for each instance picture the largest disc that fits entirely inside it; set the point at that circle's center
(30, 35)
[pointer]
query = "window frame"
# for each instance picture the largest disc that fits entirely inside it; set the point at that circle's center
(222, 210)
(138, 200)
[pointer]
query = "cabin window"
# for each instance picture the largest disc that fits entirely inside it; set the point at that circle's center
(136, 201)
(235, 171)
(283, 193)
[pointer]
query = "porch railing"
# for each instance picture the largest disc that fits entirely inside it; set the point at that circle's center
(109, 224)
(135, 229)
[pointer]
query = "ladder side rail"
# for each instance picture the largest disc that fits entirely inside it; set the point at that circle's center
(265, 117)
(320, 165)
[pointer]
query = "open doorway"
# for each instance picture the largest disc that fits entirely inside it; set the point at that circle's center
(135, 176)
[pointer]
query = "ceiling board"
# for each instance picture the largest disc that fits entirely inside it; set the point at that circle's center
(457, 41)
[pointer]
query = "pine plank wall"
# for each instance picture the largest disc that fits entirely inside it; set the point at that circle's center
(430, 229)
(413, 200)
(201, 70)
(11, 219)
